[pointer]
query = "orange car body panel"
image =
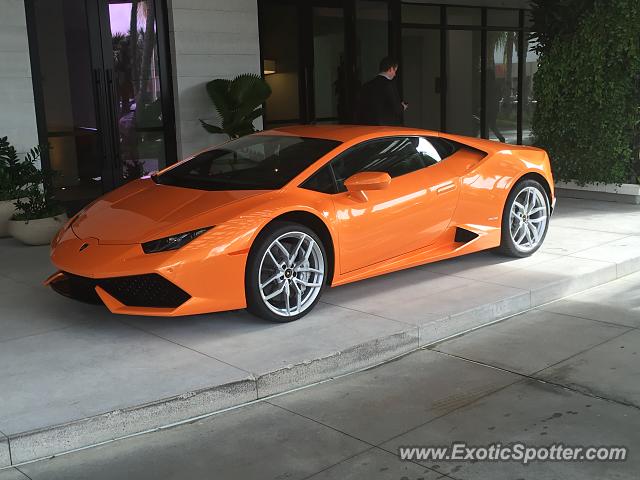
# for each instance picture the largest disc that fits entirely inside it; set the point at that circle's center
(411, 222)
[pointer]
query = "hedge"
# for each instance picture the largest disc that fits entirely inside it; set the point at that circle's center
(588, 110)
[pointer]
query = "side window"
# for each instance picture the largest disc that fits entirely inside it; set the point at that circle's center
(428, 150)
(321, 181)
(444, 147)
(395, 156)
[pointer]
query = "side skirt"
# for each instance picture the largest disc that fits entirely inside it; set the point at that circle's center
(456, 241)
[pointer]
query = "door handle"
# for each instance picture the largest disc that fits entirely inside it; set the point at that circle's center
(307, 96)
(445, 188)
(113, 117)
(98, 100)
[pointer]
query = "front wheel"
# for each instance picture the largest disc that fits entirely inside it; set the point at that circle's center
(285, 272)
(525, 219)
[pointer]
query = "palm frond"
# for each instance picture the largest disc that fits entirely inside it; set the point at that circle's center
(238, 102)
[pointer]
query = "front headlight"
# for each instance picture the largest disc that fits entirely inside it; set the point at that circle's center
(173, 242)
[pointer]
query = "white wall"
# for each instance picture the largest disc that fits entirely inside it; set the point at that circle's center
(209, 39)
(17, 109)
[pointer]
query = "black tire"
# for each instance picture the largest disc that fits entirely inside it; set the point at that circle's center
(255, 303)
(508, 246)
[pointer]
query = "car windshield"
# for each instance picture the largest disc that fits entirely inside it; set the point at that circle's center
(254, 162)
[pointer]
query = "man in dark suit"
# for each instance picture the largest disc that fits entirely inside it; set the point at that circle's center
(379, 102)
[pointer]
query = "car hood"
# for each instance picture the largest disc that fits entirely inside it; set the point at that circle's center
(143, 210)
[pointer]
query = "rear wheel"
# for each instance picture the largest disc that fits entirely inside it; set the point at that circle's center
(525, 220)
(285, 272)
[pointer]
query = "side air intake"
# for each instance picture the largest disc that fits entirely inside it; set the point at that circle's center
(464, 236)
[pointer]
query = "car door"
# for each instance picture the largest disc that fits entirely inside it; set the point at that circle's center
(409, 214)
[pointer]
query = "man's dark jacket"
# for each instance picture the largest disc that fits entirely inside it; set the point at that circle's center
(379, 103)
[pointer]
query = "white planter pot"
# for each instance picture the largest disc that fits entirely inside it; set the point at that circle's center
(37, 232)
(7, 209)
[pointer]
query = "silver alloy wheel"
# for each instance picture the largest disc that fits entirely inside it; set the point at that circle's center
(528, 219)
(291, 273)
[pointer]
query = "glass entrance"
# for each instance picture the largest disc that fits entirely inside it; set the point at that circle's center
(421, 78)
(316, 61)
(69, 100)
(101, 94)
(467, 70)
(305, 61)
(463, 57)
(281, 52)
(132, 68)
(330, 103)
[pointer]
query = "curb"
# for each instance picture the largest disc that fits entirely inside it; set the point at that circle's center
(5, 456)
(58, 439)
(49, 441)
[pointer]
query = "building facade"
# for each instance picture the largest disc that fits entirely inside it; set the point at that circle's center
(116, 88)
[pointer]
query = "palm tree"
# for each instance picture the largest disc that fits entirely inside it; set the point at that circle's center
(133, 44)
(148, 46)
(238, 103)
(507, 41)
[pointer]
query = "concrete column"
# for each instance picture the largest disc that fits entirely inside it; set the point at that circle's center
(209, 39)
(17, 107)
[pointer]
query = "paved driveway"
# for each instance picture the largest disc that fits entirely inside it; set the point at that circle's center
(74, 374)
(566, 373)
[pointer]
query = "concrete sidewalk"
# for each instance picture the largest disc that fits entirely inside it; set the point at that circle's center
(540, 378)
(74, 375)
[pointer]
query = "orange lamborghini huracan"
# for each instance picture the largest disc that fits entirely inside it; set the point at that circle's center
(267, 221)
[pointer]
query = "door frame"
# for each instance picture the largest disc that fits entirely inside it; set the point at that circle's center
(97, 37)
(522, 31)
(307, 54)
(306, 61)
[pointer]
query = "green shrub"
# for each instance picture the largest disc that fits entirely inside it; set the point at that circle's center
(587, 88)
(14, 173)
(238, 103)
(37, 193)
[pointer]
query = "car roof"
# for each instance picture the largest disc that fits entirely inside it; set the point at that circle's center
(344, 133)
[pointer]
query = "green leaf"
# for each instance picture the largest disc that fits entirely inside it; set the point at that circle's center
(238, 102)
(587, 88)
(211, 128)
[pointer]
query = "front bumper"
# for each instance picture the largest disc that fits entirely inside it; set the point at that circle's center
(132, 291)
(195, 279)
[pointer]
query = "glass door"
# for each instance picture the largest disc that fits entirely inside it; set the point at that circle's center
(133, 87)
(307, 62)
(101, 94)
(421, 77)
(501, 86)
(463, 57)
(371, 39)
(329, 91)
(70, 106)
(281, 59)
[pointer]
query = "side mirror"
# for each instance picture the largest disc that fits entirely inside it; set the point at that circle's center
(360, 182)
(367, 181)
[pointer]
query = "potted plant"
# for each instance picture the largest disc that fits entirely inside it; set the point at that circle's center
(238, 102)
(38, 215)
(13, 178)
